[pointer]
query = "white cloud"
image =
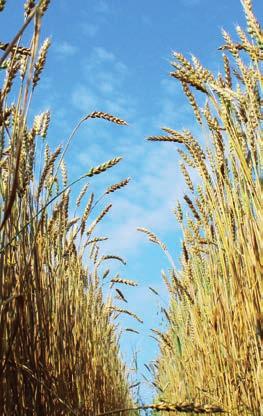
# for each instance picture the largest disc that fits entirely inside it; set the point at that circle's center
(90, 29)
(103, 55)
(102, 7)
(100, 58)
(84, 99)
(103, 89)
(65, 49)
(106, 87)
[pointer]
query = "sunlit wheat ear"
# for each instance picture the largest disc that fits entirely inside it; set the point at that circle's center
(164, 338)
(125, 311)
(98, 219)
(20, 50)
(185, 407)
(5, 119)
(186, 158)
(81, 194)
(88, 208)
(124, 281)
(152, 237)
(28, 7)
(167, 406)
(64, 173)
(97, 240)
(253, 26)
(194, 228)
(11, 73)
(72, 222)
(86, 213)
(93, 249)
(181, 287)
(203, 212)
(102, 168)
(113, 257)
(211, 120)
(117, 186)
(192, 101)
(168, 284)
(41, 124)
(228, 77)
(181, 61)
(106, 116)
(41, 60)
(203, 72)
(44, 6)
(94, 257)
(176, 139)
(47, 169)
(187, 177)
(191, 77)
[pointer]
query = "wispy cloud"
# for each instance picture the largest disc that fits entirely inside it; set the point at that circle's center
(89, 29)
(103, 88)
(102, 7)
(101, 55)
(65, 49)
(102, 11)
(84, 99)
(150, 197)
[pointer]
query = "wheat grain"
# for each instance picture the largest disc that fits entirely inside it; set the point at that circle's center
(117, 186)
(187, 177)
(124, 281)
(125, 311)
(192, 101)
(103, 167)
(175, 139)
(179, 213)
(98, 219)
(41, 60)
(106, 116)
(28, 7)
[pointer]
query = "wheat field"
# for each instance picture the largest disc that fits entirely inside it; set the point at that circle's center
(59, 336)
(59, 349)
(213, 344)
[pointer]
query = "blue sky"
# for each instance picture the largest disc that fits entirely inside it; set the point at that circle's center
(113, 56)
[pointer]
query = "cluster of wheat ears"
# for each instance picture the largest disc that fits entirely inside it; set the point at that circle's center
(59, 350)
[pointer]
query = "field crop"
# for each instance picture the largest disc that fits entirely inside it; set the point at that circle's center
(59, 337)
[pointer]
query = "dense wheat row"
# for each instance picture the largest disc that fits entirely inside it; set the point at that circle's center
(59, 351)
(211, 351)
